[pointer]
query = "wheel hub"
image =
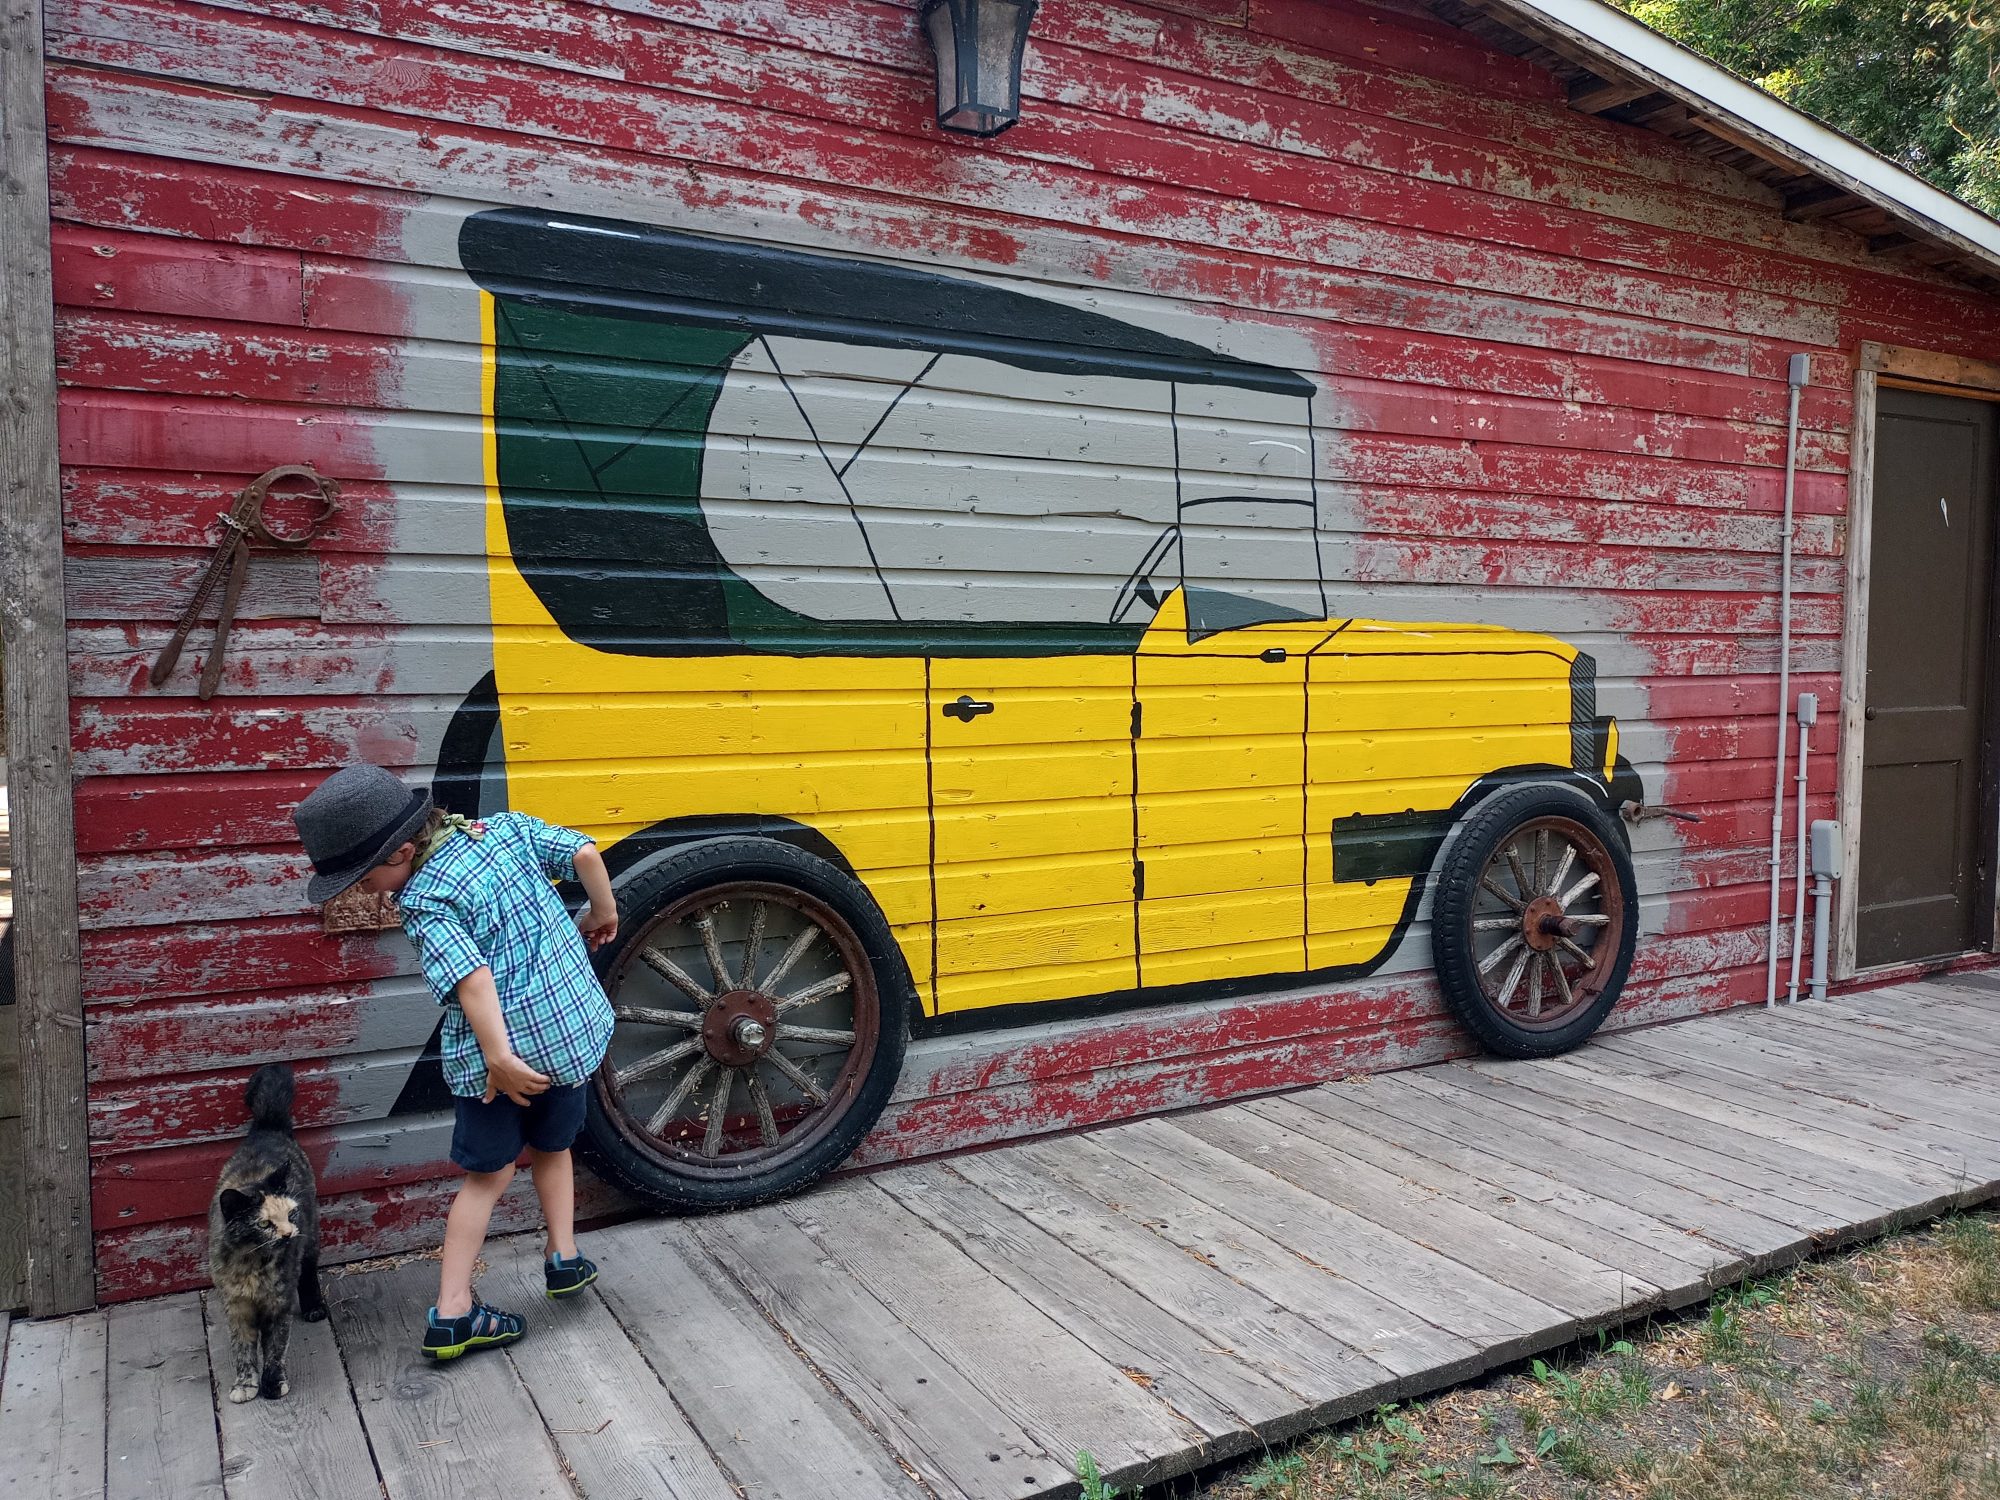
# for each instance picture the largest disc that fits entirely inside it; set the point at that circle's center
(1542, 924)
(740, 1027)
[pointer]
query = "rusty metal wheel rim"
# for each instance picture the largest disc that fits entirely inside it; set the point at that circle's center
(1546, 923)
(722, 1000)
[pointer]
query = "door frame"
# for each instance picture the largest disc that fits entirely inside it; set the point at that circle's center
(1891, 365)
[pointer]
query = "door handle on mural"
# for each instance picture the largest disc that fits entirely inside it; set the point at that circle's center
(965, 708)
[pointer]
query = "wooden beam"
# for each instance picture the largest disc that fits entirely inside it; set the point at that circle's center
(1819, 202)
(1854, 666)
(47, 979)
(1593, 96)
(1921, 367)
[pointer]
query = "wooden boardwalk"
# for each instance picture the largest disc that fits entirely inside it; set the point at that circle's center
(1164, 1293)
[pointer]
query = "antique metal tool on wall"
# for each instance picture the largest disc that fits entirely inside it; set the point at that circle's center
(243, 524)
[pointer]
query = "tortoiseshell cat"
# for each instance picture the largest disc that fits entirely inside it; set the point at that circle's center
(263, 1239)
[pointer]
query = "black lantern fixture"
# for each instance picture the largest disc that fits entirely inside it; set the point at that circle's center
(979, 45)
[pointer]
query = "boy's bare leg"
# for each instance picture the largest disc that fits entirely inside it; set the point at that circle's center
(464, 1233)
(555, 1185)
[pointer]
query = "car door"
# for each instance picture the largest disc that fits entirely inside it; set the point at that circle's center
(1031, 817)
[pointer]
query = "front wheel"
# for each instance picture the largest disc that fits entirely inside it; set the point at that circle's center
(1535, 921)
(761, 1005)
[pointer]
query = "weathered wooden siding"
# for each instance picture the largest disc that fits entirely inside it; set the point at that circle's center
(1551, 349)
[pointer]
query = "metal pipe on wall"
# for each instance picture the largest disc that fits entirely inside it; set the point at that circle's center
(1808, 716)
(1797, 372)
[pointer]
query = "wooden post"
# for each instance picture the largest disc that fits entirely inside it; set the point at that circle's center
(1854, 667)
(48, 979)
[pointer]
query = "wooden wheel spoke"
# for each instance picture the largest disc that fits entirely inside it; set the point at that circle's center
(718, 1113)
(645, 1015)
(1492, 960)
(1535, 982)
(833, 984)
(1486, 884)
(670, 1105)
(815, 1034)
(767, 1118)
(1562, 870)
(791, 956)
(1598, 919)
(1496, 924)
(1562, 981)
(1514, 978)
(1581, 953)
(1520, 875)
(704, 923)
(753, 941)
(666, 1057)
(1541, 859)
(798, 1079)
(675, 975)
(1589, 882)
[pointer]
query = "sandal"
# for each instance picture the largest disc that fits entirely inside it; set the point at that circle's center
(482, 1328)
(567, 1277)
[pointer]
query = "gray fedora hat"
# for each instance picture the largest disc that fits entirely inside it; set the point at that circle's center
(351, 820)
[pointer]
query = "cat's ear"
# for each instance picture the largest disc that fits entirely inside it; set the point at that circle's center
(237, 1205)
(279, 1180)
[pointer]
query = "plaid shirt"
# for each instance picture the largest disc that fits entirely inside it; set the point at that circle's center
(489, 903)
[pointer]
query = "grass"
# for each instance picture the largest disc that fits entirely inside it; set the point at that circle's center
(1874, 1374)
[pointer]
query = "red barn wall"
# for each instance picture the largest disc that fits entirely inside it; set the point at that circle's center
(1556, 348)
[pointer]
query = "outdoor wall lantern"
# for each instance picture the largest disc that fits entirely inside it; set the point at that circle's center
(979, 45)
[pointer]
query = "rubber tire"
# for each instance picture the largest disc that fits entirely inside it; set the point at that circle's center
(1480, 837)
(712, 861)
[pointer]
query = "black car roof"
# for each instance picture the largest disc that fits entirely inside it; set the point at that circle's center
(610, 268)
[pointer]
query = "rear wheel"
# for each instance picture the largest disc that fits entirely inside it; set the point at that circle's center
(761, 1007)
(1535, 921)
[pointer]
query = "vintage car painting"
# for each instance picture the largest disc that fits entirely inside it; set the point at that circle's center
(926, 654)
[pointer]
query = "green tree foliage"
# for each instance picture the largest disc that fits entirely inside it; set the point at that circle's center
(1918, 80)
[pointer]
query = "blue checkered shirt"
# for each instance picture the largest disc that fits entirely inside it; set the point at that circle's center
(488, 903)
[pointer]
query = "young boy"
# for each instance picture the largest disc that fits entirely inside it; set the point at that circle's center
(526, 1022)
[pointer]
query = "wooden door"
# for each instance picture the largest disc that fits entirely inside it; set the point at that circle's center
(1925, 849)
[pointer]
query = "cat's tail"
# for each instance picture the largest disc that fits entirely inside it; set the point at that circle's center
(270, 1097)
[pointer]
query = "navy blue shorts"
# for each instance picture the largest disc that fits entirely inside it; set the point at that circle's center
(488, 1137)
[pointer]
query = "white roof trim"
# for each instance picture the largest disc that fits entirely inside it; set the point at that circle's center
(1672, 69)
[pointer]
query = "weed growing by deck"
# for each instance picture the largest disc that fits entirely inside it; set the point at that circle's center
(1874, 1374)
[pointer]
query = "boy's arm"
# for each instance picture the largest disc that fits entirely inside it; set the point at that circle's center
(505, 1073)
(599, 922)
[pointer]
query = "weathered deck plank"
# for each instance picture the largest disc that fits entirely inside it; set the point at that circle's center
(439, 1432)
(1060, 1392)
(52, 1410)
(1383, 1332)
(611, 1417)
(1328, 1377)
(160, 1435)
(1682, 1267)
(1541, 1268)
(310, 1445)
(1235, 1405)
(762, 1410)
(1567, 1155)
(943, 1423)
(1164, 1293)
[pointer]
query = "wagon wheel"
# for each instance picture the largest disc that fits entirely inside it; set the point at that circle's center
(750, 1041)
(1535, 921)
(1542, 923)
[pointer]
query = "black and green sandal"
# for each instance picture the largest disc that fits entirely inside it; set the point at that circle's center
(482, 1328)
(568, 1277)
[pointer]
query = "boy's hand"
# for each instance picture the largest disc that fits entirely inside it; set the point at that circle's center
(507, 1074)
(598, 927)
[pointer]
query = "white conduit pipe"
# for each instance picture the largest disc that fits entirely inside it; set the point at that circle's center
(1808, 716)
(1796, 375)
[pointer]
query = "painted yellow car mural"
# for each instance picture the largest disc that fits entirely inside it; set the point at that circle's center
(929, 654)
